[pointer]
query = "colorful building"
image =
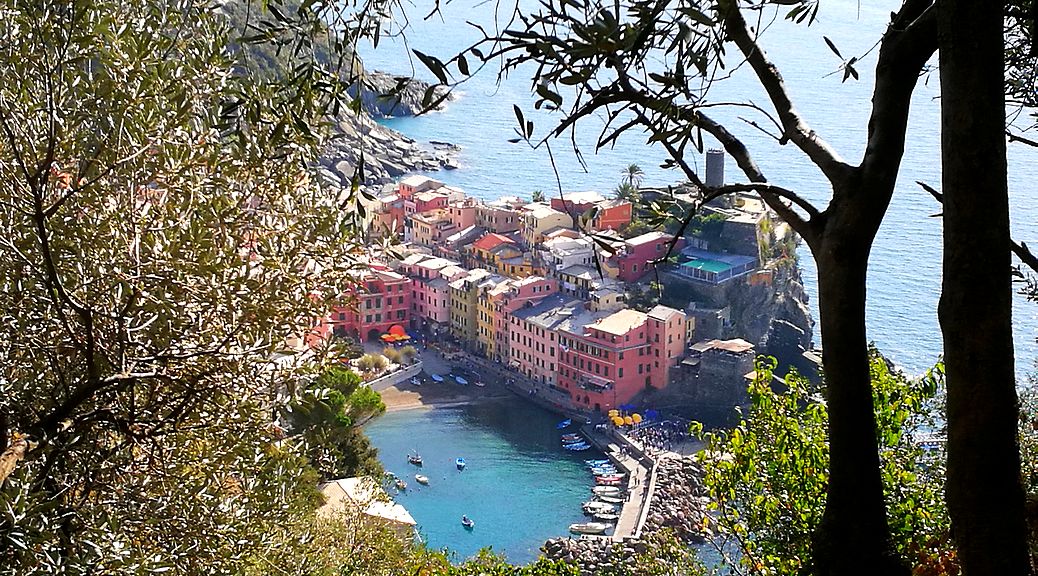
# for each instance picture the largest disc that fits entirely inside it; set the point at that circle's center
(378, 299)
(610, 214)
(430, 295)
(464, 293)
(539, 218)
(638, 255)
(500, 216)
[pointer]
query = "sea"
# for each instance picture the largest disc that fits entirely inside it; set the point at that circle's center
(520, 488)
(905, 268)
(519, 485)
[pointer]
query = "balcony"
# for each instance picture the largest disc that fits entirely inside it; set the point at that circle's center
(594, 383)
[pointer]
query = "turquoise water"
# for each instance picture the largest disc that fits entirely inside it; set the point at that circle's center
(905, 270)
(519, 486)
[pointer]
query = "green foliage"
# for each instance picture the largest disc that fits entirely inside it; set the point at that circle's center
(486, 563)
(409, 354)
(627, 192)
(392, 354)
(538, 196)
(767, 477)
(325, 419)
(643, 298)
(372, 363)
(636, 227)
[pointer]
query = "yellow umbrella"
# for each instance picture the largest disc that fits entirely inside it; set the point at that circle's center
(637, 418)
(614, 413)
(618, 421)
(628, 420)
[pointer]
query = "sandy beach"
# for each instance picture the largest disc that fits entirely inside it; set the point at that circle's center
(406, 396)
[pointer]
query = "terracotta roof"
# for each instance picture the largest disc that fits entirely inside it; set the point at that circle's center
(491, 241)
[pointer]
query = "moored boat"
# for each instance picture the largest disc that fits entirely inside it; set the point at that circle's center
(596, 462)
(606, 490)
(594, 506)
(400, 484)
(577, 447)
(604, 471)
(608, 480)
(572, 436)
(564, 424)
(610, 517)
(467, 522)
(611, 499)
(415, 459)
(588, 528)
(460, 463)
(421, 479)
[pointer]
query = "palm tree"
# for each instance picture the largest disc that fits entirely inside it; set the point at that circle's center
(627, 192)
(538, 196)
(632, 175)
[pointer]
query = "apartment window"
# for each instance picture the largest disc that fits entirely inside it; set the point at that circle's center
(641, 351)
(656, 338)
(597, 369)
(641, 368)
(657, 363)
(400, 314)
(399, 299)
(657, 352)
(607, 371)
(551, 351)
(621, 355)
(619, 372)
(342, 315)
(551, 366)
(378, 317)
(367, 318)
(367, 304)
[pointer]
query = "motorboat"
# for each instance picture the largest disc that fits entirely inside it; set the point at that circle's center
(467, 522)
(604, 471)
(415, 381)
(437, 378)
(588, 528)
(596, 462)
(608, 480)
(579, 447)
(564, 424)
(571, 436)
(461, 380)
(610, 517)
(415, 459)
(606, 490)
(479, 383)
(421, 479)
(400, 484)
(611, 499)
(460, 463)
(573, 441)
(594, 506)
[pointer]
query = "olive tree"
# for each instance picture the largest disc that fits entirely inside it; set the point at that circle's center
(164, 237)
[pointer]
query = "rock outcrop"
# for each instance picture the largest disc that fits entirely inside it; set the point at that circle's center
(388, 155)
(376, 99)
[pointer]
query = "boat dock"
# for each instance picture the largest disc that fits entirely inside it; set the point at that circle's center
(641, 479)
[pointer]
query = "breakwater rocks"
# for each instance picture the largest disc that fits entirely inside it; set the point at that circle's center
(679, 500)
(388, 154)
(678, 505)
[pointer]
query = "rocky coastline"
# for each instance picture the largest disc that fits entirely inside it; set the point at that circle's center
(388, 154)
(678, 505)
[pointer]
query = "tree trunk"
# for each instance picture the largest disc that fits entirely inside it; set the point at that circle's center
(853, 537)
(985, 498)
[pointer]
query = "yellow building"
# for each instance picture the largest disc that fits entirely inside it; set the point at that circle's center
(486, 298)
(464, 294)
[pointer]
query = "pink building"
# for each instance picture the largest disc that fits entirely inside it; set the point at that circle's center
(377, 300)
(430, 291)
(510, 296)
(533, 338)
(608, 358)
(463, 213)
(635, 259)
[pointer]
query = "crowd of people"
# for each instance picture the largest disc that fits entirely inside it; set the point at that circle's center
(661, 436)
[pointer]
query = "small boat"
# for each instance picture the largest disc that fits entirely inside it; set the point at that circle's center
(611, 499)
(564, 424)
(572, 437)
(400, 484)
(610, 517)
(461, 380)
(588, 528)
(415, 459)
(415, 381)
(467, 522)
(595, 506)
(437, 378)
(596, 462)
(573, 441)
(606, 490)
(578, 447)
(605, 471)
(421, 479)
(460, 463)
(608, 480)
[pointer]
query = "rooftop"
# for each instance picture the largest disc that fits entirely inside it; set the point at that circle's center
(491, 241)
(662, 312)
(541, 210)
(416, 181)
(429, 196)
(648, 237)
(588, 197)
(621, 322)
(736, 346)
(550, 312)
(705, 265)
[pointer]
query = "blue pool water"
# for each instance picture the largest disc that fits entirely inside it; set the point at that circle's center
(519, 486)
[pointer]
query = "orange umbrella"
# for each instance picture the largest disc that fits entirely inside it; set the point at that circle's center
(628, 420)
